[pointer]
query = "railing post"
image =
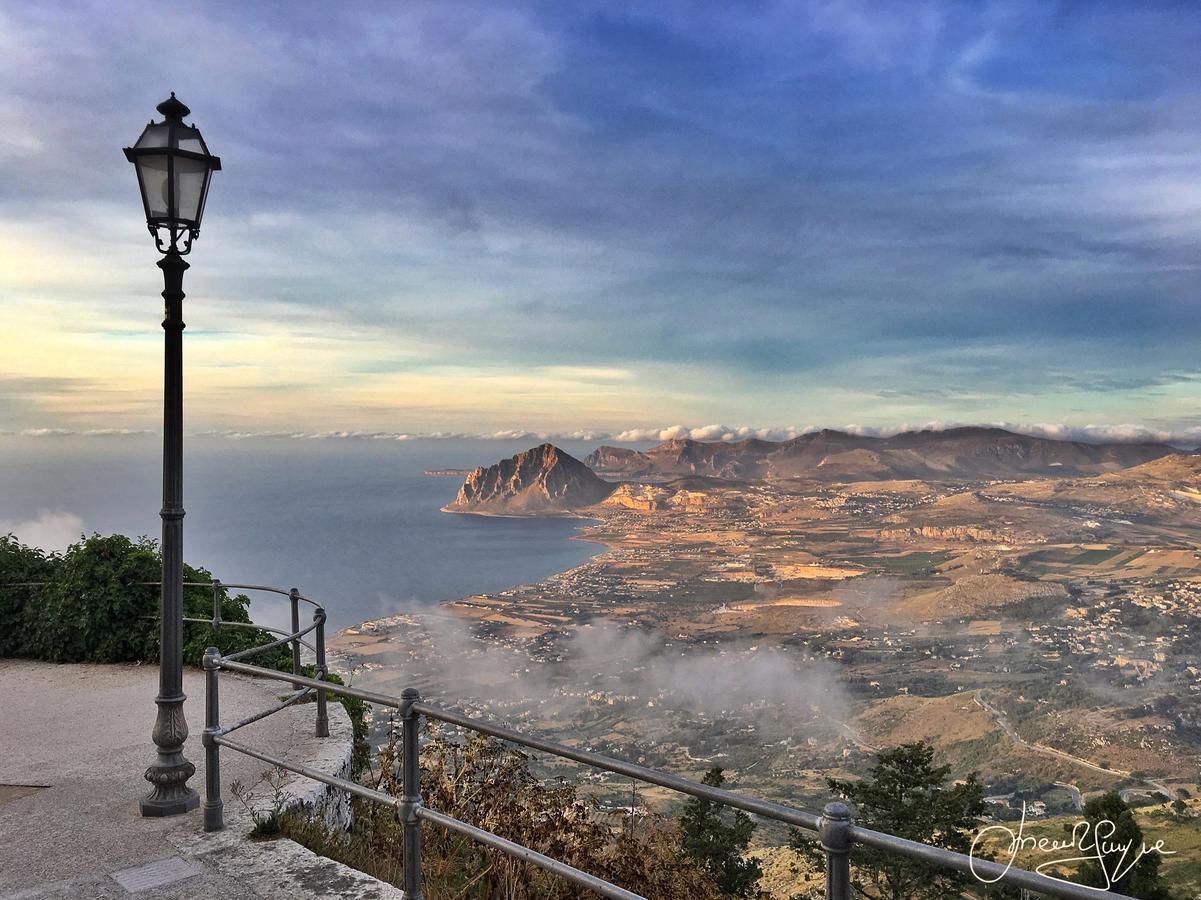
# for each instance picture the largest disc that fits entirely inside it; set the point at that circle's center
(322, 713)
(835, 835)
(212, 805)
(410, 801)
(216, 604)
(294, 596)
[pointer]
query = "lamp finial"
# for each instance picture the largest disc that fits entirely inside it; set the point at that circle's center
(172, 108)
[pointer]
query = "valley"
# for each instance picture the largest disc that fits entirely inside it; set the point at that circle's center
(1040, 630)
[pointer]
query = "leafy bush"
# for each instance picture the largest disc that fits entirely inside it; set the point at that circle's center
(96, 608)
(19, 564)
(906, 794)
(101, 604)
(198, 637)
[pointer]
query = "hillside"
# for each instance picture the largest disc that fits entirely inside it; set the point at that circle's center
(541, 481)
(956, 454)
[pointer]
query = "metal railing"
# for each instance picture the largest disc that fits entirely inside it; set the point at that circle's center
(836, 832)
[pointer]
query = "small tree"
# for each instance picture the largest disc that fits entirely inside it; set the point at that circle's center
(720, 847)
(1136, 879)
(905, 794)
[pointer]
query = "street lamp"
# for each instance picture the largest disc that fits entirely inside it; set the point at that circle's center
(174, 167)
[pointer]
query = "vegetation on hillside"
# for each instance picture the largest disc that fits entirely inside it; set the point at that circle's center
(1120, 867)
(480, 781)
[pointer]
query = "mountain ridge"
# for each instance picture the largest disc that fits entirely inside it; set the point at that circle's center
(955, 454)
(546, 480)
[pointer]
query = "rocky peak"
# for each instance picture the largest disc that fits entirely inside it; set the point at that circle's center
(543, 480)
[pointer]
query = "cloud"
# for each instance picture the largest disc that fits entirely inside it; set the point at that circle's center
(1189, 436)
(641, 214)
(51, 531)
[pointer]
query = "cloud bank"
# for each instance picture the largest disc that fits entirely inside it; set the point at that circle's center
(1088, 433)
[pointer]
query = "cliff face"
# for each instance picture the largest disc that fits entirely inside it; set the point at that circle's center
(537, 482)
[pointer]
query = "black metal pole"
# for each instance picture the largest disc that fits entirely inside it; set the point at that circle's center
(835, 835)
(170, 772)
(410, 802)
(294, 597)
(321, 672)
(213, 806)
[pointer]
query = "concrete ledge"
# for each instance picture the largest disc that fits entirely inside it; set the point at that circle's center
(74, 744)
(281, 868)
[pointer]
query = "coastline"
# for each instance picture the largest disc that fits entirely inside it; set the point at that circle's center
(495, 515)
(587, 521)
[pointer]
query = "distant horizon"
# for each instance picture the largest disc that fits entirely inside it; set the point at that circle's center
(715, 433)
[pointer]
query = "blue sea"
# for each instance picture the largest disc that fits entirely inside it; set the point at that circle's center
(351, 522)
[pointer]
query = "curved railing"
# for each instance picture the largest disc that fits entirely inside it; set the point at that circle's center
(836, 832)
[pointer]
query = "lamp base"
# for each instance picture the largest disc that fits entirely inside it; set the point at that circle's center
(171, 795)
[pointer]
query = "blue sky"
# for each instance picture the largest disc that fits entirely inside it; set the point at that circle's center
(561, 217)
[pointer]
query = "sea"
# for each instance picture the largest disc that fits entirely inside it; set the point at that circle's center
(352, 522)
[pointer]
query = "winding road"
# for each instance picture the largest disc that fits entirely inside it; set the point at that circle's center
(1012, 734)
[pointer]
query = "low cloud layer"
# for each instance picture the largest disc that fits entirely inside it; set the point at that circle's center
(1090, 433)
(773, 689)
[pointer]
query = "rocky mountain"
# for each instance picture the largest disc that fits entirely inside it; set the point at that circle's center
(537, 482)
(954, 454)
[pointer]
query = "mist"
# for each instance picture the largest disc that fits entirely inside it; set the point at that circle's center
(568, 674)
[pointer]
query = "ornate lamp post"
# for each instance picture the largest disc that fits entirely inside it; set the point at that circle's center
(174, 168)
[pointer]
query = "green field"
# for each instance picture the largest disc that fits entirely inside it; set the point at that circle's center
(1096, 557)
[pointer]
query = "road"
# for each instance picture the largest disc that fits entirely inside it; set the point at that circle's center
(857, 737)
(1012, 734)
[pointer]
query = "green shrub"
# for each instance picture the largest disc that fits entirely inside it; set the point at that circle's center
(101, 604)
(18, 564)
(96, 608)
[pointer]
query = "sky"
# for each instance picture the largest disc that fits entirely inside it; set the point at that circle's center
(612, 219)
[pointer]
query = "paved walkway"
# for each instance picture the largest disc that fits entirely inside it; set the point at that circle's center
(74, 742)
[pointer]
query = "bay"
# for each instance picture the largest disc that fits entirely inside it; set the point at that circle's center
(352, 522)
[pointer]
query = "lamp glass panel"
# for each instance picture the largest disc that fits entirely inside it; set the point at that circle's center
(188, 139)
(190, 175)
(154, 136)
(208, 177)
(153, 169)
